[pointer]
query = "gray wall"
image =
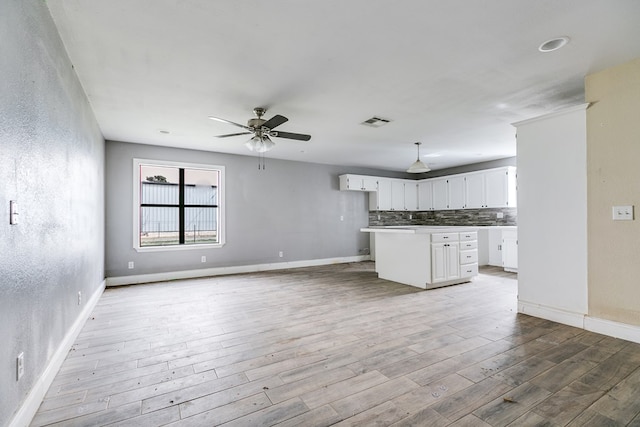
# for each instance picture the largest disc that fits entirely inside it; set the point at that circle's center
(291, 207)
(509, 161)
(52, 163)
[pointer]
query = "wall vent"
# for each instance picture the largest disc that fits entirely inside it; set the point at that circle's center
(376, 122)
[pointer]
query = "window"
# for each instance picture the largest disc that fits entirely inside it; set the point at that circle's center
(177, 205)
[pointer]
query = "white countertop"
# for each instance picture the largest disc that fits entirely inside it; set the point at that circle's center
(419, 229)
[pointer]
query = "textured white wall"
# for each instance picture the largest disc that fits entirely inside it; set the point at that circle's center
(552, 212)
(52, 163)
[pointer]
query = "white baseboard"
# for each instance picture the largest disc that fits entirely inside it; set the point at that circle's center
(27, 411)
(613, 329)
(601, 326)
(556, 315)
(218, 271)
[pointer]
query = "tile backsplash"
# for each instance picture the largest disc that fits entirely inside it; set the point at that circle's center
(477, 217)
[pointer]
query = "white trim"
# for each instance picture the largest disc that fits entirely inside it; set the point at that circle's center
(218, 271)
(554, 314)
(136, 204)
(613, 329)
(554, 114)
(601, 326)
(29, 407)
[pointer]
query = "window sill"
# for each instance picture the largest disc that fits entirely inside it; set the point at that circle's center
(178, 247)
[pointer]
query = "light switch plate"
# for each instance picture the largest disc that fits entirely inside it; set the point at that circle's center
(13, 212)
(622, 213)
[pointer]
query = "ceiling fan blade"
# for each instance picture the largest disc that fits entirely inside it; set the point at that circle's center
(274, 121)
(233, 134)
(229, 122)
(289, 135)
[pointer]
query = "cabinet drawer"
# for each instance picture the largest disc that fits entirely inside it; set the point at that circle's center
(469, 270)
(444, 237)
(468, 235)
(469, 244)
(468, 257)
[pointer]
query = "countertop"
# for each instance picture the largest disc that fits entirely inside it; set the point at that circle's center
(419, 229)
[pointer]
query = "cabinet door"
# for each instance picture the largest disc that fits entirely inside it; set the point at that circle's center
(497, 188)
(397, 195)
(369, 183)
(510, 249)
(456, 192)
(439, 194)
(425, 202)
(411, 196)
(495, 247)
(384, 195)
(474, 190)
(438, 263)
(452, 258)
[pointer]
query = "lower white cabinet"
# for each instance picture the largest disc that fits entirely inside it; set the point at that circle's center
(445, 263)
(453, 256)
(510, 250)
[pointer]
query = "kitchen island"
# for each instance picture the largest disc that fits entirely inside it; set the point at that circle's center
(426, 256)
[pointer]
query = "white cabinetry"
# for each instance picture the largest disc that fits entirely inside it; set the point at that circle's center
(410, 196)
(500, 188)
(445, 257)
(468, 254)
(456, 192)
(493, 188)
(425, 195)
(495, 246)
(395, 195)
(474, 186)
(439, 196)
(358, 183)
(510, 250)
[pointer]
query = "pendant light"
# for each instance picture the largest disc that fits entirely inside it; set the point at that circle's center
(418, 166)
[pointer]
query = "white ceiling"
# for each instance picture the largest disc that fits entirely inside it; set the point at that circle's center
(453, 74)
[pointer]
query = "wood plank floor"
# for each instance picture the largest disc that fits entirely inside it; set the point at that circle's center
(335, 345)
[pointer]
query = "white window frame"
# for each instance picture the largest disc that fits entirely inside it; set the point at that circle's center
(136, 206)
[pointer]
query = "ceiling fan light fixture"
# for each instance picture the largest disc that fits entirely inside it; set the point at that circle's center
(418, 166)
(260, 144)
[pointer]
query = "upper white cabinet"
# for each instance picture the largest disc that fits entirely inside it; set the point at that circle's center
(358, 183)
(500, 188)
(411, 196)
(474, 189)
(491, 188)
(425, 195)
(456, 192)
(395, 195)
(440, 194)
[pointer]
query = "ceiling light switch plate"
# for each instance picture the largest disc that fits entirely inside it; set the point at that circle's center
(622, 213)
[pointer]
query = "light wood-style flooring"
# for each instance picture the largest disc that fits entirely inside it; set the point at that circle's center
(335, 345)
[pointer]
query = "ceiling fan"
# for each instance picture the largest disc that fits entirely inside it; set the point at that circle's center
(262, 131)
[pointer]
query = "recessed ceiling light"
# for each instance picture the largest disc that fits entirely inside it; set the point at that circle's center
(554, 44)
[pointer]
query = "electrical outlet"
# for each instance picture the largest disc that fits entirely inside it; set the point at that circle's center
(203, 258)
(131, 264)
(499, 215)
(280, 254)
(79, 298)
(19, 366)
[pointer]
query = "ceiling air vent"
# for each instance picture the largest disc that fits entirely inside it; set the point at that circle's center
(376, 122)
